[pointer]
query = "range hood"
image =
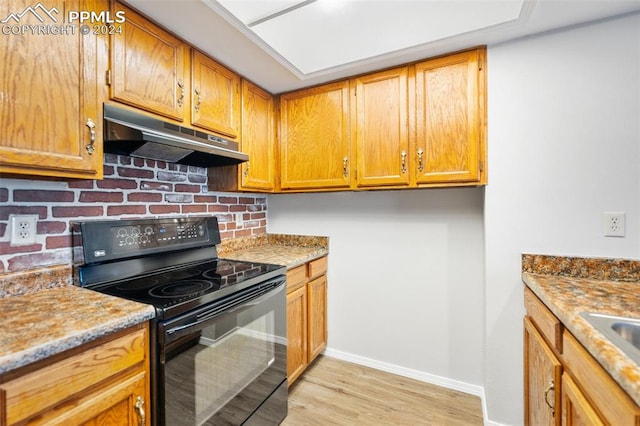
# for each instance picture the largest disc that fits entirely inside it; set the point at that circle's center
(136, 135)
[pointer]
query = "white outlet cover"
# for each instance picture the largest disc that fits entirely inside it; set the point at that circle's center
(23, 229)
(613, 224)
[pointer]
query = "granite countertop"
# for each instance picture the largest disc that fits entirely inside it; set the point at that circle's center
(279, 249)
(569, 286)
(46, 322)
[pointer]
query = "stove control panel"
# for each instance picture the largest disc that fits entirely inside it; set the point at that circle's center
(157, 235)
(110, 240)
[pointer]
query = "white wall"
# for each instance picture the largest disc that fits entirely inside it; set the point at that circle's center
(405, 277)
(564, 117)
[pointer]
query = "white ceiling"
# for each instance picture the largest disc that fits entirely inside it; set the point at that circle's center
(283, 45)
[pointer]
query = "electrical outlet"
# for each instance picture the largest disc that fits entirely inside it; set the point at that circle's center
(23, 229)
(613, 224)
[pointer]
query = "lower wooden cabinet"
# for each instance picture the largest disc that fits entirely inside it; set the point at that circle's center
(542, 379)
(306, 315)
(576, 409)
(564, 384)
(104, 382)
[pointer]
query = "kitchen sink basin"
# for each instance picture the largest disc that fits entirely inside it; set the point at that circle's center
(622, 332)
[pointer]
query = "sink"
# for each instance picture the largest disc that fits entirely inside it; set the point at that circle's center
(628, 331)
(622, 332)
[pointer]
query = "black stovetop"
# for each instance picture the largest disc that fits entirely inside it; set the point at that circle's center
(170, 263)
(180, 289)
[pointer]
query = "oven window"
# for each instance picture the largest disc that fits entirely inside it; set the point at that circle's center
(221, 373)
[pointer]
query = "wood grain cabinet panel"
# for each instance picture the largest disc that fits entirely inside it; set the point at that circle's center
(306, 315)
(314, 138)
(543, 378)
(258, 139)
(317, 311)
(104, 383)
(604, 395)
(576, 410)
(296, 333)
(149, 67)
(215, 96)
(380, 126)
(449, 119)
(51, 120)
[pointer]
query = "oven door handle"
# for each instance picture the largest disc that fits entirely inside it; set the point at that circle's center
(231, 306)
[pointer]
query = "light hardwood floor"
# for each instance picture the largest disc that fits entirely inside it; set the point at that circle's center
(335, 392)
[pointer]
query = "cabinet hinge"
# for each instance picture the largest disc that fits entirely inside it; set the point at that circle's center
(481, 165)
(108, 77)
(480, 64)
(355, 91)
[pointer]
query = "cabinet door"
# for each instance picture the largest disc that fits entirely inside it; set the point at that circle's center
(215, 96)
(314, 138)
(317, 302)
(576, 410)
(296, 333)
(381, 128)
(51, 118)
(149, 67)
(542, 380)
(124, 403)
(258, 138)
(448, 119)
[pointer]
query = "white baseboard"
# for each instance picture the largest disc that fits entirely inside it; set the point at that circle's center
(417, 375)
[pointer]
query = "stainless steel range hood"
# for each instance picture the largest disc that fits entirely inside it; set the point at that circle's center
(136, 135)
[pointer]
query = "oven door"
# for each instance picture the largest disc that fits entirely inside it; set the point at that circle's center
(226, 362)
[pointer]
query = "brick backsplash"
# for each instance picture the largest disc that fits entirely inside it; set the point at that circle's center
(131, 188)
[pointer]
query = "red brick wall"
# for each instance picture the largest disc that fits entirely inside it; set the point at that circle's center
(130, 188)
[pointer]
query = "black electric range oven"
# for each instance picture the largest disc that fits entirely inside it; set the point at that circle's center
(218, 342)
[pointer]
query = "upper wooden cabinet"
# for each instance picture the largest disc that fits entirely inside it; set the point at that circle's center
(215, 96)
(51, 120)
(380, 128)
(258, 139)
(149, 67)
(314, 138)
(450, 111)
(420, 125)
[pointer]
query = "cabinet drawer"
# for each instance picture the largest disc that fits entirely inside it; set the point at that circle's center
(604, 394)
(46, 387)
(317, 267)
(550, 326)
(296, 278)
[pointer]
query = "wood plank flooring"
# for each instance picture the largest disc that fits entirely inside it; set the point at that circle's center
(335, 392)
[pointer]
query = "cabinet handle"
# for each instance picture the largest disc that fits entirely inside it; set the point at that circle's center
(403, 164)
(420, 165)
(198, 101)
(246, 170)
(92, 136)
(550, 388)
(181, 96)
(345, 161)
(140, 409)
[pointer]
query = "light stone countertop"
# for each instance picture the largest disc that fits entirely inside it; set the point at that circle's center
(38, 325)
(569, 286)
(279, 249)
